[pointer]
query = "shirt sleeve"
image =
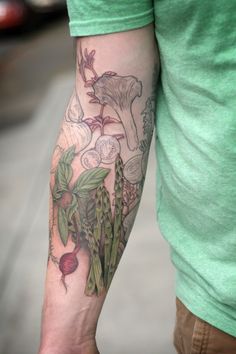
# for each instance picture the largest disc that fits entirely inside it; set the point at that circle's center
(91, 17)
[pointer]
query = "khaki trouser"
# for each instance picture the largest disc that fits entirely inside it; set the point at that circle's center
(195, 336)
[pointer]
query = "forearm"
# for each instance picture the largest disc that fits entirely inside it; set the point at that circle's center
(97, 175)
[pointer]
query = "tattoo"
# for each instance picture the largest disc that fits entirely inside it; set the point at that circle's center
(85, 213)
(108, 148)
(117, 92)
(74, 112)
(149, 115)
(90, 159)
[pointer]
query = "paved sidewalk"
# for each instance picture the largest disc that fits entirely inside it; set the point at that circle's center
(138, 315)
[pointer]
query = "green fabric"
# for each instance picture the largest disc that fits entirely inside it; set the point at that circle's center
(196, 139)
(196, 152)
(90, 17)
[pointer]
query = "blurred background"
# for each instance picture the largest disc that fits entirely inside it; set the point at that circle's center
(36, 78)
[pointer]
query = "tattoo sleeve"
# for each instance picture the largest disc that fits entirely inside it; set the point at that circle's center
(98, 171)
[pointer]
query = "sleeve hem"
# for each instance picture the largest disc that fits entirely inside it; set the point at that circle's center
(96, 27)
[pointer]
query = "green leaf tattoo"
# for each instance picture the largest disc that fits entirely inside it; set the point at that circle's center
(63, 173)
(63, 225)
(63, 176)
(68, 156)
(90, 179)
(72, 208)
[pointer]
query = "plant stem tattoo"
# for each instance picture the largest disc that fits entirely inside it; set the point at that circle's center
(85, 214)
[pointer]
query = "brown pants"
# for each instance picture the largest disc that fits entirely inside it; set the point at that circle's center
(195, 336)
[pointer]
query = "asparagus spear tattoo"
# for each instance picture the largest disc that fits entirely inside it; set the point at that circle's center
(94, 243)
(107, 217)
(99, 276)
(118, 216)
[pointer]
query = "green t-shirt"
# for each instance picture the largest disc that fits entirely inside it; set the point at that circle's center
(195, 138)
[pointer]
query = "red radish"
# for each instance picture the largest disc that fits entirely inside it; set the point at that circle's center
(68, 264)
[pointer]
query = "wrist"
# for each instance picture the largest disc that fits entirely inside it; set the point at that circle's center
(69, 323)
(88, 346)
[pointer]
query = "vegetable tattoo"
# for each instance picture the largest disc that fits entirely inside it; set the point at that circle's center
(94, 211)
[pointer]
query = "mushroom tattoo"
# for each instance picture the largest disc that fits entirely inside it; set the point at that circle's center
(119, 92)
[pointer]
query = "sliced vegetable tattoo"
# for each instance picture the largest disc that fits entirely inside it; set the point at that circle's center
(85, 213)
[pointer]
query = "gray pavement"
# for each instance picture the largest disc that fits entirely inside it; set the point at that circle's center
(138, 315)
(28, 65)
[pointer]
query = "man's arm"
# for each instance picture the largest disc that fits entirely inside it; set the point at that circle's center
(97, 175)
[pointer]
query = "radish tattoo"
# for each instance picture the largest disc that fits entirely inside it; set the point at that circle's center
(93, 211)
(68, 264)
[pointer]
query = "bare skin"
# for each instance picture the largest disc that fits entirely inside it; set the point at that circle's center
(97, 175)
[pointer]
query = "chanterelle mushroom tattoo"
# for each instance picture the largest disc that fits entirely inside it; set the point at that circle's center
(119, 92)
(87, 212)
